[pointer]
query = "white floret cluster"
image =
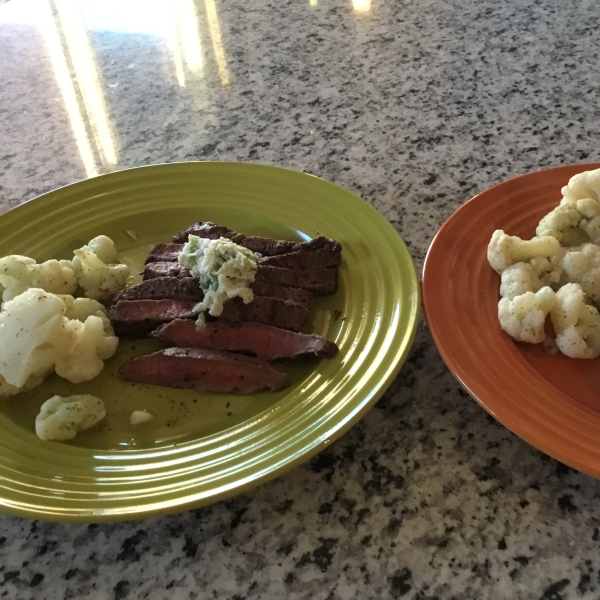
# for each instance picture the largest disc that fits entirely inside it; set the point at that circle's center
(61, 418)
(44, 328)
(556, 274)
(50, 332)
(94, 268)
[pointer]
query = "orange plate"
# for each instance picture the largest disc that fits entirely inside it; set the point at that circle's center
(552, 402)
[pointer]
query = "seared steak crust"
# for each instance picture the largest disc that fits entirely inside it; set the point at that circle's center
(164, 269)
(264, 341)
(164, 253)
(162, 288)
(204, 370)
(316, 254)
(269, 311)
(264, 246)
(317, 283)
(156, 286)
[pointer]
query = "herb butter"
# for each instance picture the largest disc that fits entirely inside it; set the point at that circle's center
(225, 270)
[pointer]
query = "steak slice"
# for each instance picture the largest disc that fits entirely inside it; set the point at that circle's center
(319, 253)
(164, 269)
(318, 283)
(156, 286)
(264, 288)
(211, 231)
(135, 319)
(264, 341)
(268, 311)
(162, 288)
(164, 253)
(204, 370)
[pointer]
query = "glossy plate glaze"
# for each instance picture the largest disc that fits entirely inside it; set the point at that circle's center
(202, 447)
(552, 402)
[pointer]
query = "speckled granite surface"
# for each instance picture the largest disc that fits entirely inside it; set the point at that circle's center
(415, 106)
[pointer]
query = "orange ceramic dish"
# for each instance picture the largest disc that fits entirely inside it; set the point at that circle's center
(552, 402)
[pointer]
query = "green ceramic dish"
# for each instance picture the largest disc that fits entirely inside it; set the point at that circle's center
(203, 447)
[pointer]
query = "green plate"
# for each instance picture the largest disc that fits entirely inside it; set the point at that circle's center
(203, 447)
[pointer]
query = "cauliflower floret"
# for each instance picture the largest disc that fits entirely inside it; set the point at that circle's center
(563, 218)
(37, 336)
(506, 250)
(85, 348)
(549, 270)
(6, 389)
(583, 185)
(27, 325)
(518, 279)
(523, 317)
(19, 273)
(573, 222)
(61, 418)
(98, 274)
(577, 324)
(103, 247)
(582, 266)
(138, 417)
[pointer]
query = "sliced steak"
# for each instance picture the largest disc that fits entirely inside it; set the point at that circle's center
(204, 370)
(164, 253)
(159, 287)
(264, 288)
(162, 288)
(135, 319)
(264, 246)
(269, 311)
(319, 253)
(318, 283)
(165, 269)
(269, 343)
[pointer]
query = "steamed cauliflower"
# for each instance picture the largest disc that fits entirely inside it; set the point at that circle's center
(577, 324)
(550, 270)
(38, 337)
(523, 317)
(61, 418)
(573, 222)
(518, 279)
(564, 256)
(583, 185)
(506, 250)
(139, 417)
(19, 273)
(94, 268)
(98, 273)
(91, 340)
(582, 266)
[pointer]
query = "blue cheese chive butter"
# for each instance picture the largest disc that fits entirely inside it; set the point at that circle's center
(225, 270)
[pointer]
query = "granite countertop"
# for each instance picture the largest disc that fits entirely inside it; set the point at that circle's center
(415, 107)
